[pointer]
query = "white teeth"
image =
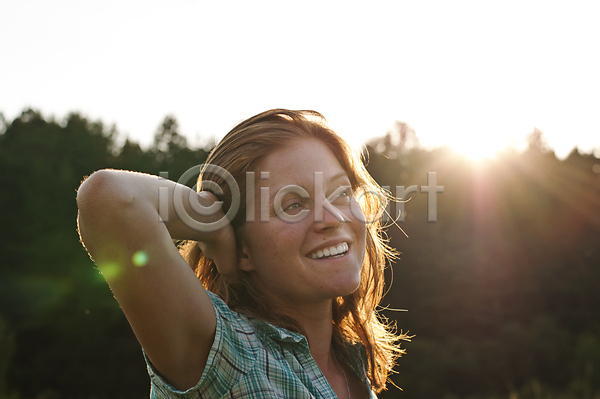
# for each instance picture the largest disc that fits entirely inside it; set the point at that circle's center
(334, 250)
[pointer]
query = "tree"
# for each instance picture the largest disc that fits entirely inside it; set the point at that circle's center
(536, 142)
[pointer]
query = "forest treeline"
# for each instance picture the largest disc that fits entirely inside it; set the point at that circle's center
(501, 291)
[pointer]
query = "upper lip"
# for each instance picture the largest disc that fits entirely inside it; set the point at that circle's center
(330, 243)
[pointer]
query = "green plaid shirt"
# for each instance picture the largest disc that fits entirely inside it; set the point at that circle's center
(251, 358)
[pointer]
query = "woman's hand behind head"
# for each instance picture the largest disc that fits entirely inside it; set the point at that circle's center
(219, 246)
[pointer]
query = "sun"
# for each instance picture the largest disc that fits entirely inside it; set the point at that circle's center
(477, 150)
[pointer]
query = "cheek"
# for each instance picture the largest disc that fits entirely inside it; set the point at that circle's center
(356, 211)
(273, 240)
(359, 226)
(359, 220)
(361, 233)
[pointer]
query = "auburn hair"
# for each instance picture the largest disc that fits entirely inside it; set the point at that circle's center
(355, 317)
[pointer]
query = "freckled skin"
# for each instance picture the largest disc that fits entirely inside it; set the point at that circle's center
(277, 251)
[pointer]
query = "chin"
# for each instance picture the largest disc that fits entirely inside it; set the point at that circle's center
(349, 288)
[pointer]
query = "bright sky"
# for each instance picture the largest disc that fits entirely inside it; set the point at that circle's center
(474, 75)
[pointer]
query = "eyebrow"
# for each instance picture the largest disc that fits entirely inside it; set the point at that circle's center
(339, 175)
(333, 178)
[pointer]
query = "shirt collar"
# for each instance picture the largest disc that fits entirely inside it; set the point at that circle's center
(278, 333)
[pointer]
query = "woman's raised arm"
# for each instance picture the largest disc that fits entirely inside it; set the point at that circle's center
(171, 314)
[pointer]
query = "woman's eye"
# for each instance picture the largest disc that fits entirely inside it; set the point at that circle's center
(293, 207)
(344, 196)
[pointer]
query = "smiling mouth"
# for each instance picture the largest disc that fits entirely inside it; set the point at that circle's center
(335, 251)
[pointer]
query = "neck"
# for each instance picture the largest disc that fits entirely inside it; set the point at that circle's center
(316, 320)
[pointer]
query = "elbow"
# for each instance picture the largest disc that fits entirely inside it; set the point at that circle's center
(92, 187)
(100, 190)
(91, 206)
(101, 201)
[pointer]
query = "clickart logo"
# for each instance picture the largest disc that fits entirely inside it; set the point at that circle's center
(193, 200)
(340, 197)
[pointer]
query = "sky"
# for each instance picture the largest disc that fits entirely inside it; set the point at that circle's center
(476, 76)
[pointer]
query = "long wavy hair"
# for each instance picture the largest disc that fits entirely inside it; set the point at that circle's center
(355, 319)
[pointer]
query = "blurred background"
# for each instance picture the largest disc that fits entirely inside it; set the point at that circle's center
(499, 99)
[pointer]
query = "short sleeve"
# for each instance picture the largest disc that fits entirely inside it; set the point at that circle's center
(232, 355)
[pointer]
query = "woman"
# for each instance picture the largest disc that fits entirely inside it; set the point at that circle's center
(280, 297)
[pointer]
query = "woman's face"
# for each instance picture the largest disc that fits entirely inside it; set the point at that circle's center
(292, 255)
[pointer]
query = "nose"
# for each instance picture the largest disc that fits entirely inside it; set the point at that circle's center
(328, 217)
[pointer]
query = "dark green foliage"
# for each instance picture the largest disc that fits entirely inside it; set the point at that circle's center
(502, 290)
(61, 332)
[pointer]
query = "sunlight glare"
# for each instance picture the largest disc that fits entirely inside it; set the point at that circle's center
(477, 150)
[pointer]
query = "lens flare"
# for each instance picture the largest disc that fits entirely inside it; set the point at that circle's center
(110, 270)
(140, 258)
